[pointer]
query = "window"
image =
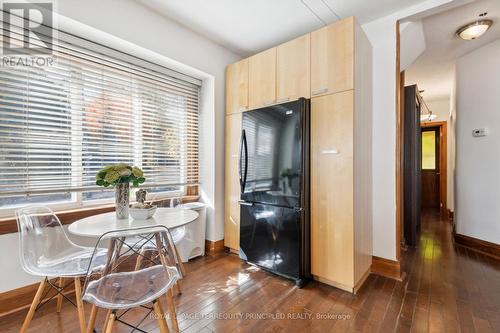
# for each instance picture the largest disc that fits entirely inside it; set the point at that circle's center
(95, 106)
(429, 150)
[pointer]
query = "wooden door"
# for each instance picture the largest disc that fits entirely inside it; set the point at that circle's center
(294, 69)
(232, 185)
(412, 166)
(332, 181)
(262, 79)
(431, 198)
(237, 87)
(332, 58)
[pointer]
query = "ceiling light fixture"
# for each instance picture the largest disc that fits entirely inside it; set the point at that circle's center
(474, 30)
(427, 117)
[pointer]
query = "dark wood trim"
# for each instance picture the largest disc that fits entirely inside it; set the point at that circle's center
(9, 225)
(443, 162)
(479, 245)
(212, 247)
(387, 268)
(19, 299)
(400, 82)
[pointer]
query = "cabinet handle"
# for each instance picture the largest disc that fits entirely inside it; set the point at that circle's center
(243, 109)
(284, 99)
(330, 152)
(267, 103)
(319, 91)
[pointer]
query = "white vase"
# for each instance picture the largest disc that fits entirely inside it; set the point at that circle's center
(122, 193)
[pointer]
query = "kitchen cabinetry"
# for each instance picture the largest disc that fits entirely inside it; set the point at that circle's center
(332, 66)
(237, 87)
(262, 79)
(332, 58)
(232, 185)
(294, 69)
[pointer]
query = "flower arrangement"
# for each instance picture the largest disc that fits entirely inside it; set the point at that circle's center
(119, 174)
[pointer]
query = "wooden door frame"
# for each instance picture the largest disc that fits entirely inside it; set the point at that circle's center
(400, 83)
(443, 162)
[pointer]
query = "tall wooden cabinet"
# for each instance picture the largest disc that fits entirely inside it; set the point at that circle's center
(232, 185)
(332, 66)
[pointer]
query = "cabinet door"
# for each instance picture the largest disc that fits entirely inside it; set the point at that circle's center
(262, 79)
(237, 87)
(294, 69)
(332, 58)
(232, 184)
(332, 188)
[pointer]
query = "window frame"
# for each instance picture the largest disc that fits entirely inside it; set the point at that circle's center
(76, 202)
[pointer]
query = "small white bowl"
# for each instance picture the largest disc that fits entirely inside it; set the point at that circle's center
(142, 213)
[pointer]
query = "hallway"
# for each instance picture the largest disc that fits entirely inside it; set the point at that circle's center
(449, 288)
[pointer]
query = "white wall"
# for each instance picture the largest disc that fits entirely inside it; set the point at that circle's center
(440, 108)
(126, 23)
(477, 192)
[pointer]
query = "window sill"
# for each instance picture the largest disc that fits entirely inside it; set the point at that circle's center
(9, 225)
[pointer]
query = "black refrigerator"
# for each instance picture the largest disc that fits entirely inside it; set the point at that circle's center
(274, 179)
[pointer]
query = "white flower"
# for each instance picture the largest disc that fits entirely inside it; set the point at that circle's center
(125, 172)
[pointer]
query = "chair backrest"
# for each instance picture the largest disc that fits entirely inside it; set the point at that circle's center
(42, 240)
(139, 267)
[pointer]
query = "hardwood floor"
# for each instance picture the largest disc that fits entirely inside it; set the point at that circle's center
(448, 289)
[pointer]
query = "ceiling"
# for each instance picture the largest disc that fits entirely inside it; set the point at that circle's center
(249, 26)
(433, 71)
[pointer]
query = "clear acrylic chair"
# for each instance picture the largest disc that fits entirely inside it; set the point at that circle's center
(46, 251)
(140, 271)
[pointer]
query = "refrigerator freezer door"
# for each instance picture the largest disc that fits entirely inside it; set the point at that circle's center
(270, 237)
(272, 154)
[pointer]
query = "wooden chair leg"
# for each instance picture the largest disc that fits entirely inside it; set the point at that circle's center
(179, 262)
(79, 305)
(110, 322)
(91, 324)
(106, 321)
(171, 309)
(33, 306)
(60, 296)
(160, 317)
(178, 286)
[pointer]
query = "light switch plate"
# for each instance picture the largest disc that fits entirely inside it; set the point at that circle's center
(479, 132)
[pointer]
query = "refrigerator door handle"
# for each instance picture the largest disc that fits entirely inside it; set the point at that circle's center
(243, 160)
(240, 174)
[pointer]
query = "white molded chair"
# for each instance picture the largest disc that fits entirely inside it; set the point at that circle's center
(141, 270)
(46, 251)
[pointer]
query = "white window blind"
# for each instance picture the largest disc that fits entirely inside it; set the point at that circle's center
(95, 106)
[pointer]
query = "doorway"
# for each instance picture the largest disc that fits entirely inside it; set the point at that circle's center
(434, 167)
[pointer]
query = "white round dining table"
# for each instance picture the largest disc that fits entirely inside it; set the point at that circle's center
(97, 225)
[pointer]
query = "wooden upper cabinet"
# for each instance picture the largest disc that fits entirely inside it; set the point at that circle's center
(232, 184)
(294, 69)
(237, 87)
(332, 58)
(262, 79)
